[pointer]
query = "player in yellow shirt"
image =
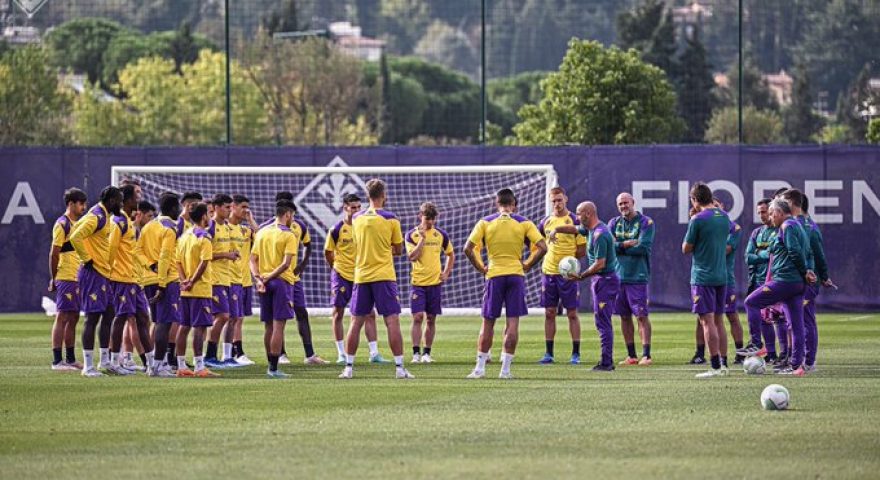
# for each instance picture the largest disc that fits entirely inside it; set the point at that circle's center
(242, 226)
(131, 338)
(63, 267)
(504, 235)
(271, 258)
(556, 290)
(224, 269)
(194, 266)
(188, 201)
(377, 238)
(424, 245)
(90, 239)
(339, 252)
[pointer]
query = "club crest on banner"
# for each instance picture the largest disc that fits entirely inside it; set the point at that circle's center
(320, 202)
(30, 7)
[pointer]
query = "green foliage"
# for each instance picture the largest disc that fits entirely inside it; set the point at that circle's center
(760, 127)
(127, 48)
(601, 96)
(696, 84)
(755, 92)
(450, 47)
(873, 135)
(79, 45)
(649, 28)
(33, 106)
(834, 133)
(510, 94)
(856, 104)
(800, 122)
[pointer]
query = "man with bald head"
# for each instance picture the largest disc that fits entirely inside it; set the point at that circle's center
(603, 268)
(633, 237)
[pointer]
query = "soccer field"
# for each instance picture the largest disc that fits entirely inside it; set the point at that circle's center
(551, 421)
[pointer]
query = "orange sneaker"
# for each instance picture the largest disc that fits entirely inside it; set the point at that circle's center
(205, 373)
(645, 361)
(185, 372)
(629, 361)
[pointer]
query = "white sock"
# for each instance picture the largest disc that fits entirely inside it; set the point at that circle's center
(227, 351)
(349, 359)
(374, 348)
(114, 359)
(398, 361)
(105, 355)
(481, 361)
(199, 363)
(88, 359)
(340, 347)
(181, 361)
(151, 359)
(506, 360)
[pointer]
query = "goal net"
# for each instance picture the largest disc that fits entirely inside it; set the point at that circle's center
(462, 194)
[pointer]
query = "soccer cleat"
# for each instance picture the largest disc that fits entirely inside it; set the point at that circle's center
(313, 360)
(770, 359)
(340, 360)
(794, 372)
(162, 372)
(74, 364)
(91, 373)
(184, 372)
(738, 360)
(752, 350)
(276, 374)
(809, 368)
(403, 374)
(378, 359)
(244, 361)
(575, 359)
(347, 373)
(629, 361)
(283, 360)
(505, 376)
(214, 363)
(601, 367)
(426, 358)
(697, 360)
(130, 365)
(205, 373)
(231, 363)
(711, 373)
(63, 367)
(547, 359)
(119, 370)
(477, 374)
(416, 358)
(646, 361)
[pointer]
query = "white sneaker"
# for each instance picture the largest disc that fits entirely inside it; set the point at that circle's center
(426, 358)
(91, 373)
(63, 367)
(104, 365)
(129, 364)
(711, 373)
(403, 374)
(477, 374)
(283, 360)
(163, 372)
(416, 358)
(119, 370)
(505, 376)
(347, 373)
(244, 360)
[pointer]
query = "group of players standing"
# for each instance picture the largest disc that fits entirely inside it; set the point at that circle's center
(195, 266)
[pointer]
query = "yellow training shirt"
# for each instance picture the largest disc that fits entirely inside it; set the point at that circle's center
(193, 248)
(565, 245)
(427, 269)
(157, 245)
(122, 245)
(504, 236)
(271, 244)
(340, 241)
(224, 270)
(301, 233)
(90, 239)
(375, 231)
(68, 262)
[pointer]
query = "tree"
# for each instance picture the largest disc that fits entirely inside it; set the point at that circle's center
(510, 94)
(286, 19)
(649, 28)
(601, 96)
(857, 104)
(79, 45)
(755, 91)
(33, 108)
(124, 49)
(449, 47)
(695, 100)
(873, 135)
(403, 23)
(800, 122)
(760, 127)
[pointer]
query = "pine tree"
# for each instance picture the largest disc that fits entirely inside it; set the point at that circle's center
(801, 123)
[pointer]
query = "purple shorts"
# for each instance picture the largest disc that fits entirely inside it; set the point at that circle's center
(557, 291)
(150, 292)
(708, 299)
(506, 290)
(124, 298)
(196, 312)
(299, 295)
(169, 308)
(247, 301)
(276, 303)
(235, 301)
(66, 296)
(730, 299)
(94, 290)
(426, 299)
(219, 300)
(604, 289)
(340, 290)
(632, 300)
(141, 303)
(382, 295)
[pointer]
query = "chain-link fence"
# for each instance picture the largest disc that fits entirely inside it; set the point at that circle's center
(437, 72)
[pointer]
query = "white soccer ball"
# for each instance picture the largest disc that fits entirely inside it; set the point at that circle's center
(754, 366)
(569, 265)
(774, 397)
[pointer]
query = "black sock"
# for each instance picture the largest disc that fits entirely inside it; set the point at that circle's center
(283, 351)
(631, 350)
(172, 354)
(273, 362)
(724, 360)
(211, 352)
(310, 351)
(238, 347)
(738, 345)
(716, 361)
(144, 359)
(575, 347)
(646, 350)
(70, 353)
(416, 350)
(549, 344)
(701, 351)
(427, 350)
(56, 356)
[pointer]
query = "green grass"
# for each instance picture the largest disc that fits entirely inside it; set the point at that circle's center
(551, 421)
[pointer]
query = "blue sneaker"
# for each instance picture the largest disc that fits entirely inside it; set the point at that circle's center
(214, 363)
(379, 359)
(276, 374)
(547, 360)
(575, 359)
(230, 363)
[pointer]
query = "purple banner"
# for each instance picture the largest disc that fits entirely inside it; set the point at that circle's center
(843, 184)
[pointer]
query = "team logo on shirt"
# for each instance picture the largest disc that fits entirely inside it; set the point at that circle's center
(320, 202)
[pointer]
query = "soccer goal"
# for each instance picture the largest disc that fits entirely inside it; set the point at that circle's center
(462, 194)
